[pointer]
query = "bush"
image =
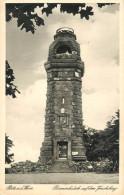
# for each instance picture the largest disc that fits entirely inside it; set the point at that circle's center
(81, 166)
(103, 166)
(7, 170)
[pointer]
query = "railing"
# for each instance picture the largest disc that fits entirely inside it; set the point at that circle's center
(65, 29)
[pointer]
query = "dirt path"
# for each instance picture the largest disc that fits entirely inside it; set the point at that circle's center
(62, 178)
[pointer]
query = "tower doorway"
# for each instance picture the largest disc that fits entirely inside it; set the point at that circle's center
(62, 150)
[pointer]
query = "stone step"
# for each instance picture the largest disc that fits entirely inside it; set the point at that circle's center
(60, 166)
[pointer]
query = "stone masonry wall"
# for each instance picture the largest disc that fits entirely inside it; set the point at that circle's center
(63, 84)
(47, 146)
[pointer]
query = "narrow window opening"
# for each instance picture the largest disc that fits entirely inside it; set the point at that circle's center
(77, 74)
(63, 100)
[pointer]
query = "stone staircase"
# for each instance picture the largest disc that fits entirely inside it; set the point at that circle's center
(60, 166)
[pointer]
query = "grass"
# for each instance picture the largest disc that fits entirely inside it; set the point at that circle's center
(62, 178)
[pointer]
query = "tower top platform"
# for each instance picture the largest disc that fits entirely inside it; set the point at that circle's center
(66, 31)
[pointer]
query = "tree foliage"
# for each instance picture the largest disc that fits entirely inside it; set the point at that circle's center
(103, 144)
(8, 145)
(28, 19)
(11, 89)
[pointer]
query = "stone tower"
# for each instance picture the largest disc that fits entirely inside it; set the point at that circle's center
(63, 119)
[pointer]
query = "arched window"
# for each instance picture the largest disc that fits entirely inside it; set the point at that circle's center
(63, 49)
(62, 110)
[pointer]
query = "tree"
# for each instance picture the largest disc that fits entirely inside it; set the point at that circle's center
(27, 18)
(112, 138)
(11, 89)
(103, 144)
(8, 145)
(91, 141)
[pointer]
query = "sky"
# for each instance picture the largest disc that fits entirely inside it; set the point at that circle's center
(26, 53)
